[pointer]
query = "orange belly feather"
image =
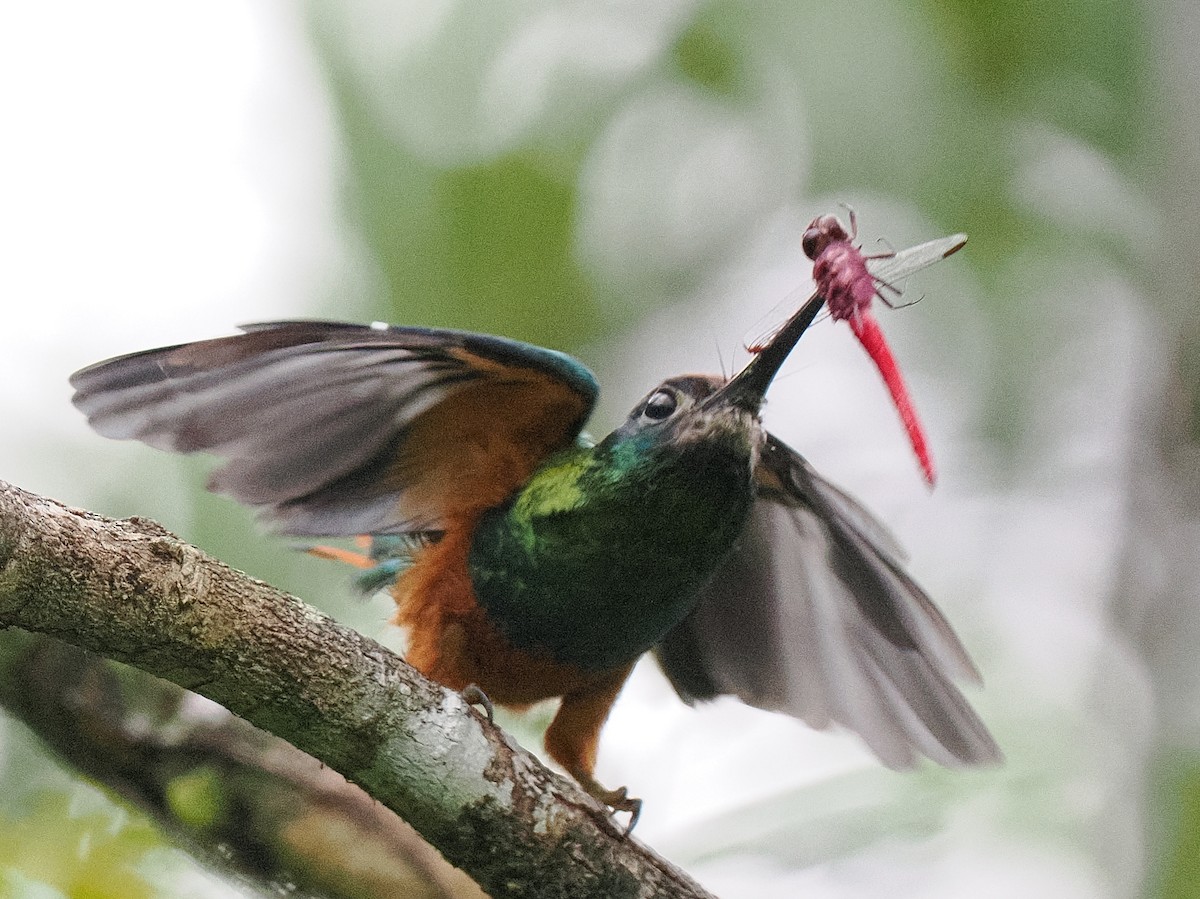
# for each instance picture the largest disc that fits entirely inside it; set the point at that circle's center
(452, 641)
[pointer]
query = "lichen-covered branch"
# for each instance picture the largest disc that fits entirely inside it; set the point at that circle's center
(282, 820)
(130, 591)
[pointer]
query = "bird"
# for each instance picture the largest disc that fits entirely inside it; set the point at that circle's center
(530, 562)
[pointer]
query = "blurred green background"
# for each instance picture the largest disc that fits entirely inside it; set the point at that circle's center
(628, 181)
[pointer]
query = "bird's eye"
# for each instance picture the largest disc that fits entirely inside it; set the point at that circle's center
(661, 405)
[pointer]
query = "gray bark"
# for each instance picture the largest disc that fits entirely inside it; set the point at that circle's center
(131, 591)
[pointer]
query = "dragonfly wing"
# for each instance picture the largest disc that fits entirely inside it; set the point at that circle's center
(338, 429)
(813, 615)
(897, 267)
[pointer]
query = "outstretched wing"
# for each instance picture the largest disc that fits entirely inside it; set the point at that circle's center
(339, 429)
(813, 615)
(895, 267)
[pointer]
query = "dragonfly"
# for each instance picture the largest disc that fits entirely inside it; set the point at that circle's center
(848, 281)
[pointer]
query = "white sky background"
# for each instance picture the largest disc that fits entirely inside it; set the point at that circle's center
(165, 173)
(169, 170)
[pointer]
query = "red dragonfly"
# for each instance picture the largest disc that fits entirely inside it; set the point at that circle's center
(848, 280)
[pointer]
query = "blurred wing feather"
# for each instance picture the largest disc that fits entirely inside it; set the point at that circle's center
(340, 429)
(813, 615)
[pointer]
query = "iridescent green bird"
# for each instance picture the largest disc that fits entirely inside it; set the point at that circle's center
(533, 563)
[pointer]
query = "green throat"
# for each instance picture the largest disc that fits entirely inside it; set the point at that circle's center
(607, 547)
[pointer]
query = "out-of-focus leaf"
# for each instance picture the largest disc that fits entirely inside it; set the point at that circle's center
(90, 855)
(1176, 792)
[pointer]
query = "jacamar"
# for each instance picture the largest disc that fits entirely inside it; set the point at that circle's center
(538, 564)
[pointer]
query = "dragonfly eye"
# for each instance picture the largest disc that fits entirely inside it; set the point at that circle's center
(809, 241)
(820, 233)
(660, 406)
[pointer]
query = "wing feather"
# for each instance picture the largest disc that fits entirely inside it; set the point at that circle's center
(338, 429)
(813, 615)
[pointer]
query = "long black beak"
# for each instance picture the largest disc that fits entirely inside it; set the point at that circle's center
(749, 386)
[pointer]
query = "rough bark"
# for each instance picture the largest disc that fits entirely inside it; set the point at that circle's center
(131, 591)
(283, 821)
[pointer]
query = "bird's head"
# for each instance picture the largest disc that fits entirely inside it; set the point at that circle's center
(707, 415)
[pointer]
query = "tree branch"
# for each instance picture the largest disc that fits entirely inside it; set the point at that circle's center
(131, 591)
(282, 820)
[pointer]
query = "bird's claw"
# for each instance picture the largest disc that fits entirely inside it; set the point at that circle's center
(474, 695)
(619, 800)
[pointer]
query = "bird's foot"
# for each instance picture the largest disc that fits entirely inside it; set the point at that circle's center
(619, 800)
(475, 696)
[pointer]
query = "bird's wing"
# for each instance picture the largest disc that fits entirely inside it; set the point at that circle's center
(814, 615)
(338, 429)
